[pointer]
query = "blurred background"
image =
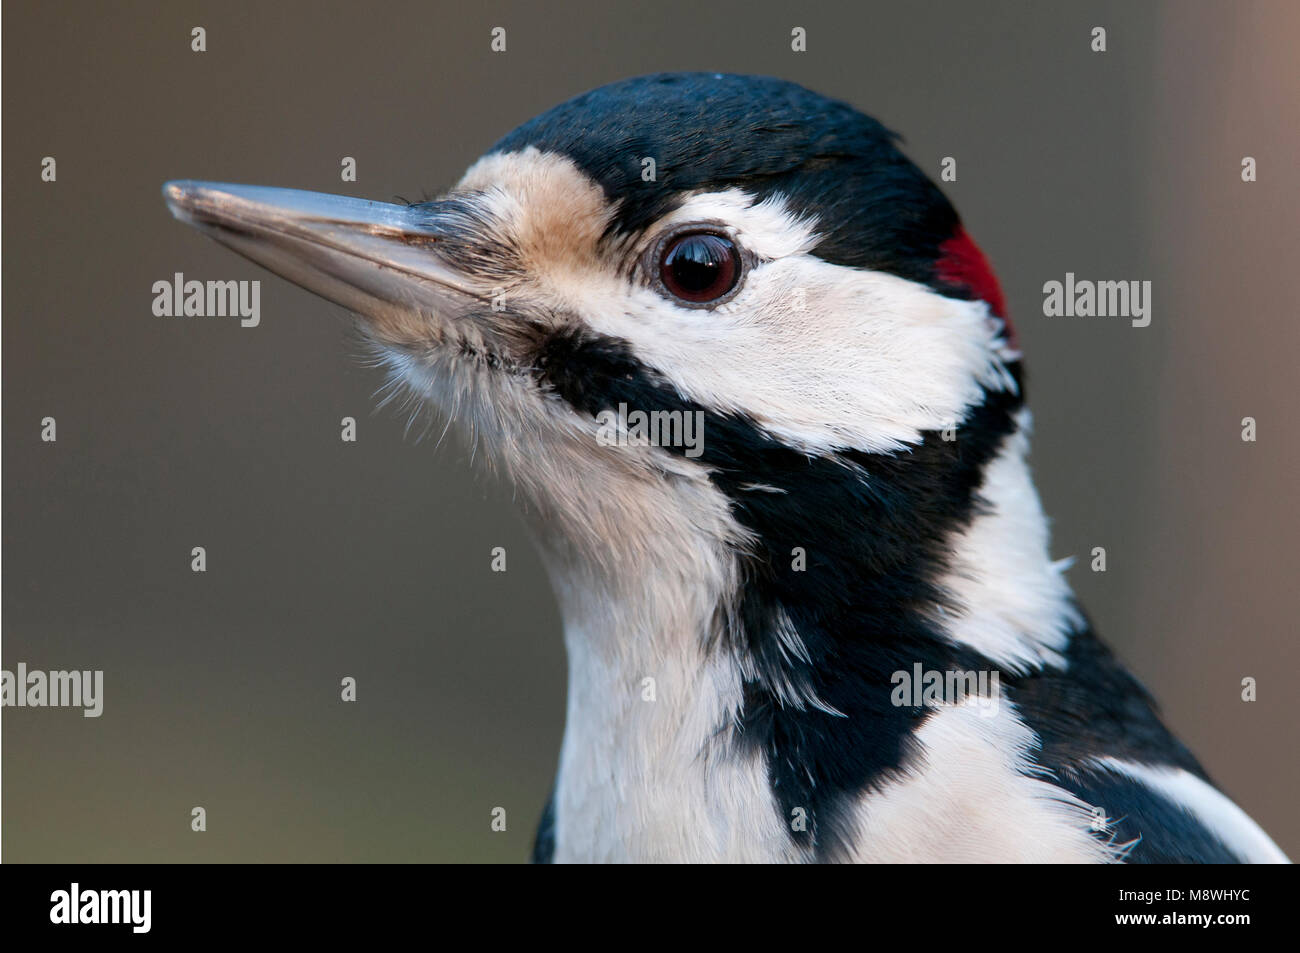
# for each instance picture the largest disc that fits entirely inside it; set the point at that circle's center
(372, 560)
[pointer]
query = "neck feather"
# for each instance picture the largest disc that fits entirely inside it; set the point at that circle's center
(765, 652)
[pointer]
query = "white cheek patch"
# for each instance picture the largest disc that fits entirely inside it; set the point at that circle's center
(822, 356)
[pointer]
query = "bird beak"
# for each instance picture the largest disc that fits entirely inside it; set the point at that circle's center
(366, 256)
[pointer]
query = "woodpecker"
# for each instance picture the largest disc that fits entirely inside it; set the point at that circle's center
(749, 617)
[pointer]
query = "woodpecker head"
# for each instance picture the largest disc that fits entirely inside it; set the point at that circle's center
(760, 272)
(731, 245)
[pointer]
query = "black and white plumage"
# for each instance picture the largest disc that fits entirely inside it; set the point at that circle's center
(860, 330)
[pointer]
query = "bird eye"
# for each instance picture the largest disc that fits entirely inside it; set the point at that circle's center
(699, 268)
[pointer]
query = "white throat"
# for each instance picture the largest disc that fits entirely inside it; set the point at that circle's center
(649, 770)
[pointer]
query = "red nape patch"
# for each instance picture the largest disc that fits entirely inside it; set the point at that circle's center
(963, 265)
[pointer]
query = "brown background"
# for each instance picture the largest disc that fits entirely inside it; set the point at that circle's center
(372, 560)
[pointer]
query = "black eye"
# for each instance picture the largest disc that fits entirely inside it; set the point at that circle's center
(699, 267)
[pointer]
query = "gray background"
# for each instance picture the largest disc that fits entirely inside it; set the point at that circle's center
(328, 559)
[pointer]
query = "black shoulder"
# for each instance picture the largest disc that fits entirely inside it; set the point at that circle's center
(1092, 707)
(1159, 830)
